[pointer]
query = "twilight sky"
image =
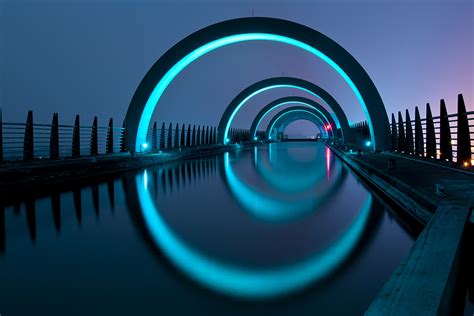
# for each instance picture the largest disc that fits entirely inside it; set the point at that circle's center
(87, 57)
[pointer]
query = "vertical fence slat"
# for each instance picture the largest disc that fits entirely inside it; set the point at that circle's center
(169, 143)
(154, 137)
(409, 133)
(162, 136)
(109, 147)
(176, 136)
(181, 144)
(188, 136)
(28, 140)
(430, 134)
(401, 133)
(94, 144)
(419, 150)
(445, 147)
(76, 138)
(394, 133)
(463, 135)
(54, 138)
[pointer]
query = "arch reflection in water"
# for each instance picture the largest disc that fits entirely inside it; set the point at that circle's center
(238, 281)
(288, 174)
(314, 190)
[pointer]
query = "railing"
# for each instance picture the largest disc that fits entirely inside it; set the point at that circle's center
(29, 141)
(447, 137)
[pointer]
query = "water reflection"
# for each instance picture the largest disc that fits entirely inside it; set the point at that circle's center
(247, 281)
(324, 234)
(300, 189)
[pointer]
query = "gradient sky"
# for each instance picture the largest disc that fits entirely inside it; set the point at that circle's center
(87, 57)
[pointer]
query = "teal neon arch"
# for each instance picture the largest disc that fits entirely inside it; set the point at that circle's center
(283, 115)
(293, 100)
(283, 82)
(177, 58)
(257, 283)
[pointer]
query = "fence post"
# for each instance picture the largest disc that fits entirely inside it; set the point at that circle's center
(394, 133)
(154, 137)
(445, 147)
(464, 137)
(401, 133)
(430, 134)
(76, 138)
(176, 136)
(194, 135)
(188, 136)
(28, 145)
(94, 148)
(419, 150)
(198, 143)
(123, 138)
(182, 136)
(203, 136)
(409, 133)
(54, 138)
(109, 146)
(215, 135)
(162, 136)
(1, 136)
(169, 143)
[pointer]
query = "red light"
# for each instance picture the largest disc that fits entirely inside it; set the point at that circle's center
(328, 126)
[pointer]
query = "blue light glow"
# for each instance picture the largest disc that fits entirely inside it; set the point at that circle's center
(192, 56)
(291, 102)
(256, 283)
(299, 110)
(368, 143)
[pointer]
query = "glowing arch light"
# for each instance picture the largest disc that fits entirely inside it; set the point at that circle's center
(303, 102)
(198, 44)
(284, 114)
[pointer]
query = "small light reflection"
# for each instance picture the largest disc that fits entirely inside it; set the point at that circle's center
(328, 162)
(145, 180)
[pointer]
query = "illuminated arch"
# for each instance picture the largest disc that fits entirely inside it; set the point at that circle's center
(178, 57)
(292, 100)
(283, 118)
(282, 82)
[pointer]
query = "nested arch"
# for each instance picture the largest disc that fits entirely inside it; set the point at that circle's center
(282, 82)
(285, 117)
(203, 41)
(311, 104)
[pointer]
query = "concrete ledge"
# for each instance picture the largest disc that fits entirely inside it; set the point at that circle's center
(424, 283)
(407, 198)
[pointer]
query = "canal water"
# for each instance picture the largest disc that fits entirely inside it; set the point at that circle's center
(279, 229)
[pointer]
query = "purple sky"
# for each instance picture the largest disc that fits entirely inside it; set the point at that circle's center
(87, 57)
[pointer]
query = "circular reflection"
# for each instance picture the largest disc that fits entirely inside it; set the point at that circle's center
(302, 199)
(288, 174)
(250, 283)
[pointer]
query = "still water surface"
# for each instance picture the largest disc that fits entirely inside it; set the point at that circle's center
(280, 229)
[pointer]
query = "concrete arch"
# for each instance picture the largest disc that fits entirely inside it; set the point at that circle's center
(292, 100)
(203, 41)
(283, 82)
(283, 118)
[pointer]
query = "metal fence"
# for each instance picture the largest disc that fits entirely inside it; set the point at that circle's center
(447, 137)
(29, 141)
